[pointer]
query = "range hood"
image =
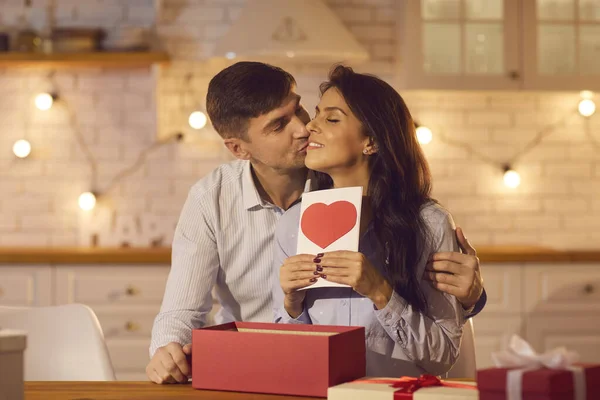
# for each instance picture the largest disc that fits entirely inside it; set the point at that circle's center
(290, 30)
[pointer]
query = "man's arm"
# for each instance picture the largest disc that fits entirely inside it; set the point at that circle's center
(187, 300)
(459, 274)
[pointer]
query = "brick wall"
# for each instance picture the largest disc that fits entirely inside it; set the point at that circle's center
(119, 113)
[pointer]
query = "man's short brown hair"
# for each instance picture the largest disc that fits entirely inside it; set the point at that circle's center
(242, 91)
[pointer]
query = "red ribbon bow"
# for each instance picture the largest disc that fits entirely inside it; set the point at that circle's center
(406, 385)
(410, 386)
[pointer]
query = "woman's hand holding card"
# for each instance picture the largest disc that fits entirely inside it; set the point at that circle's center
(352, 268)
(297, 272)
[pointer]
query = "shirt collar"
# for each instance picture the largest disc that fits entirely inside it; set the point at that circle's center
(250, 194)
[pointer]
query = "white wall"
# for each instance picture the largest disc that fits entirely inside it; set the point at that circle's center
(121, 112)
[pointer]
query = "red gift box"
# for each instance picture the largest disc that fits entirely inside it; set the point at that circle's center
(539, 384)
(287, 359)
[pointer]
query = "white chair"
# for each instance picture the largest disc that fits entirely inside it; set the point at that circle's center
(465, 366)
(64, 343)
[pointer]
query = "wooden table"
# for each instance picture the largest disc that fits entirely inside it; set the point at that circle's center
(119, 390)
(133, 390)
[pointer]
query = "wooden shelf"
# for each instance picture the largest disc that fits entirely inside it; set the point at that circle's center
(531, 254)
(146, 256)
(85, 255)
(83, 60)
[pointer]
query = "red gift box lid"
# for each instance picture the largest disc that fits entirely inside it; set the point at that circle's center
(542, 380)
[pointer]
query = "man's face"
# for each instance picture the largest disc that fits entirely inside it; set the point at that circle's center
(278, 139)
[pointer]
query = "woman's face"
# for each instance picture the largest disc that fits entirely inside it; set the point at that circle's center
(336, 141)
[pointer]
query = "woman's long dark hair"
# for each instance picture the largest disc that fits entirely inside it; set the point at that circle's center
(400, 180)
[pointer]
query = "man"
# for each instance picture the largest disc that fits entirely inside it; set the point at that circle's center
(224, 238)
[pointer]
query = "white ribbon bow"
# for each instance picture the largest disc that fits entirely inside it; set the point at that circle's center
(521, 356)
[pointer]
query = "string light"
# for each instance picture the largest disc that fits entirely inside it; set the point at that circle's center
(197, 120)
(512, 179)
(44, 101)
(22, 148)
(587, 107)
(424, 135)
(230, 55)
(87, 201)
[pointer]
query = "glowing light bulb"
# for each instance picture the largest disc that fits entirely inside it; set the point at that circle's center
(424, 135)
(197, 120)
(586, 94)
(230, 55)
(21, 148)
(587, 107)
(87, 201)
(512, 179)
(44, 101)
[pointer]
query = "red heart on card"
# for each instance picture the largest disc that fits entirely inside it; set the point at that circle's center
(323, 224)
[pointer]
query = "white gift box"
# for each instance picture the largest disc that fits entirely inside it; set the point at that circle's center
(12, 348)
(360, 390)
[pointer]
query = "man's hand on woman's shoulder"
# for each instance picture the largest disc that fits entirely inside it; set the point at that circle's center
(456, 273)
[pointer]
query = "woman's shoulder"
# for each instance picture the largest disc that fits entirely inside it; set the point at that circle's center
(435, 214)
(441, 226)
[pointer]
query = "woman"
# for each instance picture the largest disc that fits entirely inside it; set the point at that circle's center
(363, 135)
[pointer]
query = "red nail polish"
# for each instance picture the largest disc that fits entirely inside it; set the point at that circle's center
(313, 279)
(324, 276)
(319, 268)
(317, 260)
(316, 272)
(320, 255)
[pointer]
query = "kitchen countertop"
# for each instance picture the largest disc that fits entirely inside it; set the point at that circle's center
(146, 256)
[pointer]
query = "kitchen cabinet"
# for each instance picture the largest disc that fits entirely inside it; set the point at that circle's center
(499, 44)
(22, 285)
(125, 299)
(548, 304)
